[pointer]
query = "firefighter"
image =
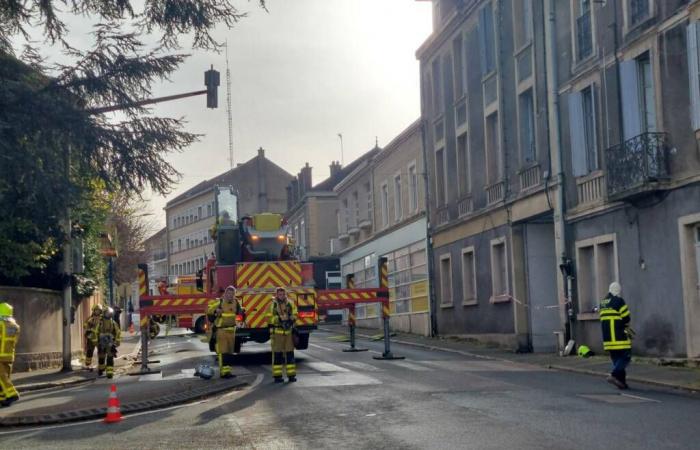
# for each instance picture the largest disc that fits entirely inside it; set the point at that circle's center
(615, 321)
(225, 323)
(9, 333)
(281, 318)
(90, 333)
(109, 338)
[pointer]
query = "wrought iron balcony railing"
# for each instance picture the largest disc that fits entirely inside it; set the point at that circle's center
(637, 165)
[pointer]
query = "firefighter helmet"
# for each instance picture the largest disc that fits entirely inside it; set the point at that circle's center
(615, 288)
(97, 308)
(584, 351)
(5, 310)
(109, 313)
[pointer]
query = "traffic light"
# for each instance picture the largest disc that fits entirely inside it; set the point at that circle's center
(211, 80)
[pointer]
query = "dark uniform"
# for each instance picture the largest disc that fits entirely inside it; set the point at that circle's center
(109, 338)
(281, 318)
(614, 320)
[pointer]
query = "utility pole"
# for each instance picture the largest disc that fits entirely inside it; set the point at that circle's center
(342, 160)
(67, 278)
(228, 110)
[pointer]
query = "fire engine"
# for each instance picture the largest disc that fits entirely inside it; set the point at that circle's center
(254, 254)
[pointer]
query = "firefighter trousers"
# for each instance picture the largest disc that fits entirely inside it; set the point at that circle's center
(105, 360)
(283, 355)
(7, 389)
(225, 344)
(89, 351)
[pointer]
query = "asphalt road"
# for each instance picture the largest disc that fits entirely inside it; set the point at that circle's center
(430, 400)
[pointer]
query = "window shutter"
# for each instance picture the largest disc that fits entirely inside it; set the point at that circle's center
(576, 131)
(692, 40)
(631, 108)
(482, 40)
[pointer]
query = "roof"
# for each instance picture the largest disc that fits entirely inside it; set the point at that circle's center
(329, 183)
(228, 177)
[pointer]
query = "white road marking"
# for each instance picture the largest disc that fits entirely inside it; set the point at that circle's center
(361, 366)
(321, 347)
(334, 380)
(411, 366)
(641, 398)
(321, 366)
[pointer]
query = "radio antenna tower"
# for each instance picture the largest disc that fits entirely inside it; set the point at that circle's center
(228, 110)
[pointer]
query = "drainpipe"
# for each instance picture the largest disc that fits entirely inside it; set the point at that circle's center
(560, 242)
(428, 233)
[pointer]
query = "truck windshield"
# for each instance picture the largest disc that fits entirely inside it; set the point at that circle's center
(227, 204)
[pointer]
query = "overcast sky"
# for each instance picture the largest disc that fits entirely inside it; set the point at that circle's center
(301, 73)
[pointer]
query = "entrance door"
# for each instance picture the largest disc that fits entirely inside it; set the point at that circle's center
(689, 231)
(542, 286)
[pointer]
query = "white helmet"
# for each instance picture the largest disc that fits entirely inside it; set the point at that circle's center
(615, 289)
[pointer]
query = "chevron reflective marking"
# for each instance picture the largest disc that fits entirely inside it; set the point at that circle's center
(269, 274)
(254, 308)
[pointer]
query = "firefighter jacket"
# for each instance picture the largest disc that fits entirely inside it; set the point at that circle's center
(108, 333)
(227, 317)
(9, 333)
(90, 327)
(282, 316)
(614, 319)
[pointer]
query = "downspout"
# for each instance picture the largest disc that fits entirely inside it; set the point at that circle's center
(560, 238)
(428, 233)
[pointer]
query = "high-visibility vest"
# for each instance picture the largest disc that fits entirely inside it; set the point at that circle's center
(614, 318)
(9, 333)
(227, 317)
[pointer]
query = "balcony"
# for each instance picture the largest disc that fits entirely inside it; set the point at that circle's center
(343, 236)
(354, 230)
(365, 224)
(495, 193)
(529, 177)
(465, 207)
(442, 216)
(590, 189)
(637, 166)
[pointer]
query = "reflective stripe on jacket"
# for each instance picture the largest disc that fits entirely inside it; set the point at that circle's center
(109, 327)
(276, 313)
(614, 318)
(9, 333)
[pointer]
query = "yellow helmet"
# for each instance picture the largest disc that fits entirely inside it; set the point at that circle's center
(5, 310)
(97, 309)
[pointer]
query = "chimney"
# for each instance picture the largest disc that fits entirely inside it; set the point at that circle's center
(295, 191)
(305, 178)
(335, 168)
(261, 152)
(290, 199)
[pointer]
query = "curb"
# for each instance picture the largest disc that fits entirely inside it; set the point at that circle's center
(548, 366)
(146, 405)
(51, 385)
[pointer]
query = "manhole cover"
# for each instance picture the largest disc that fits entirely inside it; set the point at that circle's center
(618, 398)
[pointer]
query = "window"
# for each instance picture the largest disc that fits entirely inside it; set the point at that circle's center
(638, 11)
(468, 277)
(445, 281)
(385, 204)
(302, 237)
(179, 244)
(596, 268)
(493, 149)
(412, 188)
(398, 213)
(459, 70)
(368, 196)
(522, 14)
(199, 212)
(463, 165)
(584, 145)
(440, 182)
(639, 110)
(356, 206)
(499, 271)
(584, 30)
(346, 215)
(437, 89)
(527, 127)
(487, 42)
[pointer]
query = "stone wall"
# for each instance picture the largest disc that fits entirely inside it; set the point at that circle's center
(38, 312)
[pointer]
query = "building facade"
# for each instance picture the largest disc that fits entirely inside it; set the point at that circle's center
(629, 110)
(312, 211)
(484, 118)
(382, 214)
(261, 187)
(570, 131)
(156, 255)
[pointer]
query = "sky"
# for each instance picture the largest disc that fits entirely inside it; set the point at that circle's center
(301, 73)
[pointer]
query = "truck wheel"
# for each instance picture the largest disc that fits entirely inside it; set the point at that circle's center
(302, 342)
(237, 346)
(199, 325)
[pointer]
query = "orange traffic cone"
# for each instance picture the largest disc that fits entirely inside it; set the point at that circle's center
(113, 413)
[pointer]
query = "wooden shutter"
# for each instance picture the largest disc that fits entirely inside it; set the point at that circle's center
(631, 107)
(577, 134)
(692, 41)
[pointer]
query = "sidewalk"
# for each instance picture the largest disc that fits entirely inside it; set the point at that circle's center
(52, 378)
(642, 370)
